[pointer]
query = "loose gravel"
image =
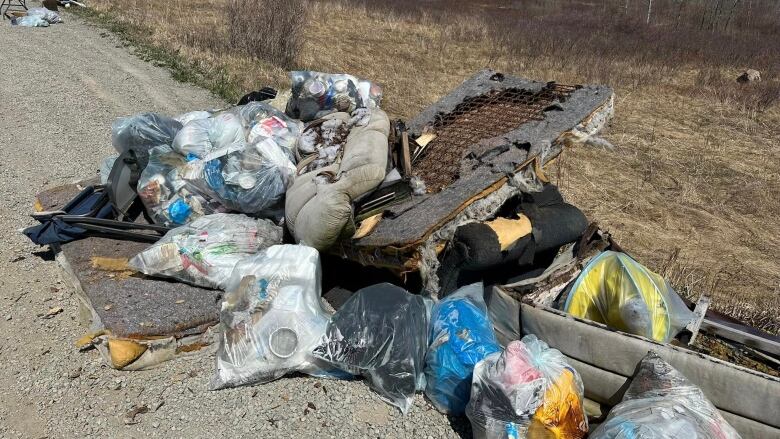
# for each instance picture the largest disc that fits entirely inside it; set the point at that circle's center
(61, 89)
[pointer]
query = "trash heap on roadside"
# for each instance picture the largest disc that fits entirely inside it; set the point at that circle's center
(255, 195)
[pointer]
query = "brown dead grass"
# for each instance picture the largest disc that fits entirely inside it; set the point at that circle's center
(694, 178)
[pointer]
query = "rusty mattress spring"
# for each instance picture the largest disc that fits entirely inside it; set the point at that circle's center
(478, 118)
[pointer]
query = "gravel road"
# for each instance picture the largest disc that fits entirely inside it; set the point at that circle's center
(61, 88)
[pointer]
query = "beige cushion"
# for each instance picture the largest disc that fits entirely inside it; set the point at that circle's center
(317, 211)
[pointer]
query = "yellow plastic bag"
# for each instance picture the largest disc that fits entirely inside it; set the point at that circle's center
(618, 291)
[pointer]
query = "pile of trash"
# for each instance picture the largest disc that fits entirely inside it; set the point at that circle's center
(251, 195)
(37, 17)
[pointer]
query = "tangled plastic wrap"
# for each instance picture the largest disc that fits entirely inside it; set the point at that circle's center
(618, 291)
(527, 391)
(381, 333)
(316, 94)
(661, 403)
(272, 318)
(461, 335)
(205, 251)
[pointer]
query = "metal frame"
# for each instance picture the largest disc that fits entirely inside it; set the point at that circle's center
(9, 4)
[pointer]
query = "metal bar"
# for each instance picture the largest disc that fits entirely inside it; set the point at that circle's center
(762, 344)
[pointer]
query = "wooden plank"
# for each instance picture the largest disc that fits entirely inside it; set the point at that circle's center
(406, 155)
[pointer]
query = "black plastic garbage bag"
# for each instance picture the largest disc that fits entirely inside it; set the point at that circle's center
(381, 334)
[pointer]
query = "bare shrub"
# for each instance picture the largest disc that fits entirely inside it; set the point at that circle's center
(270, 30)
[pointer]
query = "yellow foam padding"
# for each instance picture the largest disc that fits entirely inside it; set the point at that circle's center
(425, 139)
(367, 226)
(88, 338)
(611, 280)
(109, 264)
(561, 415)
(510, 230)
(124, 352)
(38, 206)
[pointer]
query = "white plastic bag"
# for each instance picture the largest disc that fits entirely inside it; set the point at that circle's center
(205, 251)
(188, 117)
(529, 390)
(272, 317)
(199, 137)
(661, 403)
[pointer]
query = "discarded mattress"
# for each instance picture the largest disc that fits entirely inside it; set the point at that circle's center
(135, 322)
(492, 137)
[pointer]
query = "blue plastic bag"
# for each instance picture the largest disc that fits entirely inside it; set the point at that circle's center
(461, 335)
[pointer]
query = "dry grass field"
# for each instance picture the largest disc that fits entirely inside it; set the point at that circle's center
(692, 187)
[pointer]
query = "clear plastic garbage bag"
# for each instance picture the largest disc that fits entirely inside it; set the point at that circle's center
(143, 131)
(618, 291)
(661, 403)
(205, 251)
(242, 158)
(262, 121)
(461, 335)
(166, 195)
(51, 17)
(381, 333)
(30, 21)
(527, 391)
(253, 179)
(272, 318)
(105, 167)
(315, 94)
(199, 137)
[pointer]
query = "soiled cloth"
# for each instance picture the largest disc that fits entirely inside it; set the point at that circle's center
(318, 207)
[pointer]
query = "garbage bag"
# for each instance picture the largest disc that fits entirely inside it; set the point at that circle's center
(618, 291)
(242, 158)
(143, 131)
(252, 179)
(272, 318)
(30, 21)
(188, 117)
(205, 251)
(166, 195)
(461, 335)
(105, 167)
(661, 403)
(51, 17)
(200, 137)
(262, 121)
(381, 333)
(529, 390)
(315, 94)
